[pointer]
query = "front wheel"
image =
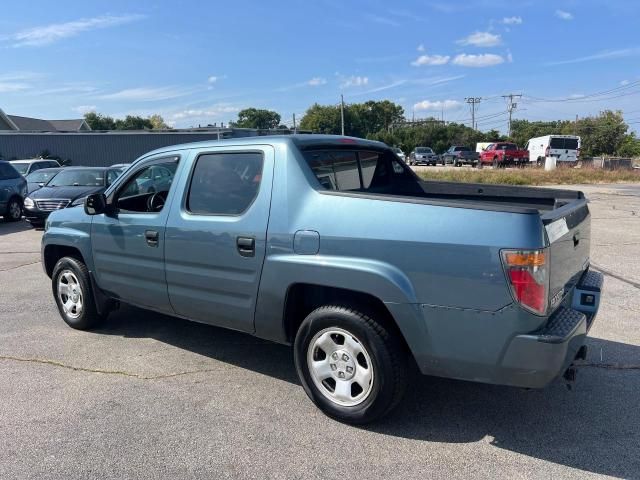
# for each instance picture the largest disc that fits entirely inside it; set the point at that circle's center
(72, 291)
(14, 210)
(350, 365)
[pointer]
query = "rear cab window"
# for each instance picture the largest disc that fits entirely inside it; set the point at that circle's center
(563, 143)
(358, 170)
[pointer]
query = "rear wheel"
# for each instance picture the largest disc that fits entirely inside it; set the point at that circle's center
(496, 164)
(350, 365)
(14, 210)
(72, 291)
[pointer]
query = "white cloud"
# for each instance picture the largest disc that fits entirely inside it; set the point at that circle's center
(317, 81)
(509, 57)
(564, 15)
(438, 105)
(82, 109)
(624, 52)
(624, 82)
(420, 48)
(512, 20)
(430, 60)
(208, 114)
(213, 79)
(354, 81)
(9, 87)
(47, 34)
(481, 39)
(482, 60)
(380, 88)
(382, 20)
(146, 94)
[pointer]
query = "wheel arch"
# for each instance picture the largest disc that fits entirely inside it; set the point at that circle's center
(52, 253)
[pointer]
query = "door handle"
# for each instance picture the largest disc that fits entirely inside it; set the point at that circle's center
(246, 246)
(152, 237)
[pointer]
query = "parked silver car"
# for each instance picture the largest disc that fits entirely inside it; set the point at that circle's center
(423, 156)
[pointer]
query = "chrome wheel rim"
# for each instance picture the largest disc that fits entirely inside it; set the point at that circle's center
(14, 210)
(340, 367)
(70, 294)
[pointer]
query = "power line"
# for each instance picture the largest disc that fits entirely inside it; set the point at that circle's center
(473, 101)
(511, 107)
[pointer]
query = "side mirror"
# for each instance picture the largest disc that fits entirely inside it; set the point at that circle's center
(95, 204)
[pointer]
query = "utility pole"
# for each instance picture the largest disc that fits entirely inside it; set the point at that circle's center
(342, 112)
(473, 101)
(294, 123)
(511, 106)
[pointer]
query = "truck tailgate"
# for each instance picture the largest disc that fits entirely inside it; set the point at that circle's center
(568, 230)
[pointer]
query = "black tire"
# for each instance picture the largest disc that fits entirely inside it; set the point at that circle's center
(88, 316)
(385, 350)
(495, 163)
(14, 210)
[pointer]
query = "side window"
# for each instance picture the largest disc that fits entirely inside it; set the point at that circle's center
(35, 166)
(147, 191)
(224, 183)
(336, 170)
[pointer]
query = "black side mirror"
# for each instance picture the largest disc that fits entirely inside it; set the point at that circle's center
(95, 204)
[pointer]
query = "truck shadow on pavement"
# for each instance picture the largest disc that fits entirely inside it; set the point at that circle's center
(13, 227)
(594, 427)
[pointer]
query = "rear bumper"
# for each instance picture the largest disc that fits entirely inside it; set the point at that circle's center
(483, 346)
(535, 359)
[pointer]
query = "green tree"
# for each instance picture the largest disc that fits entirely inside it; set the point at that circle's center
(360, 119)
(372, 116)
(133, 122)
(99, 122)
(257, 118)
(157, 122)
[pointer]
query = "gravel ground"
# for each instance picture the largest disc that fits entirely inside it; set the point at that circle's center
(149, 396)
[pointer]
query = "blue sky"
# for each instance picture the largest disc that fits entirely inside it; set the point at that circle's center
(197, 62)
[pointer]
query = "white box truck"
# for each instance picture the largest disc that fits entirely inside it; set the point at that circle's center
(564, 148)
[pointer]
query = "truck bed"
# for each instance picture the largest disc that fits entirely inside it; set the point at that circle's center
(501, 198)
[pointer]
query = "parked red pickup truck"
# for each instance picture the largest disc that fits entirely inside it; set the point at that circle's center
(501, 154)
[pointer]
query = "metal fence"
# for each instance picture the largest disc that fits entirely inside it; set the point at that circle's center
(102, 149)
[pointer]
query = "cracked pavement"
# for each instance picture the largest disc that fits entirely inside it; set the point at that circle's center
(148, 396)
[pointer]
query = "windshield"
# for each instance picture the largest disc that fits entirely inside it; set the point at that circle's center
(78, 178)
(21, 167)
(461, 149)
(41, 176)
(423, 150)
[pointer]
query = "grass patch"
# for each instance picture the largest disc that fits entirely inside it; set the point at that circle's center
(533, 176)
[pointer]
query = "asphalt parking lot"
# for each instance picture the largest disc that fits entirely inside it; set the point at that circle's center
(148, 396)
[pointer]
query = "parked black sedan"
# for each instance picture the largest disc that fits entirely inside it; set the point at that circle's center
(67, 189)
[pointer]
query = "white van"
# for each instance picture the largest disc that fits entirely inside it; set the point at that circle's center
(565, 148)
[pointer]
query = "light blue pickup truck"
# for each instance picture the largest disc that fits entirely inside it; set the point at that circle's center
(333, 245)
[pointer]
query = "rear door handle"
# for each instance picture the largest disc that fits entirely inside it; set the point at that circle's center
(152, 237)
(246, 246)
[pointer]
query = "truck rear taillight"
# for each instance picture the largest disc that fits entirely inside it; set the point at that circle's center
(546, 152)
(527, 273)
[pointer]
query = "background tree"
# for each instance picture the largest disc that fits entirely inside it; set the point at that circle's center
(134, 122)
(157, 122)
(99, 122)
(257, 118)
